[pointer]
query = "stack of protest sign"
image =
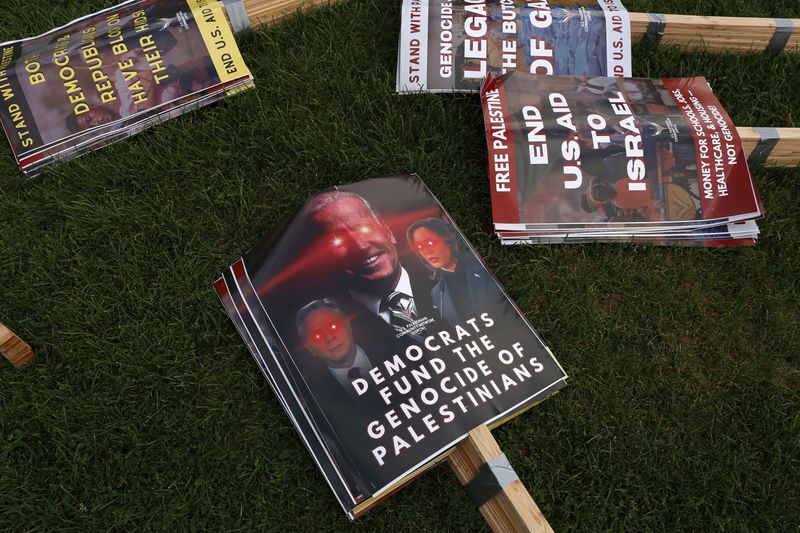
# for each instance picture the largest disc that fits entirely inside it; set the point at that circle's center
(576, 159)
(560, 148)
(452, 46)
(111, 74)
(383, 334)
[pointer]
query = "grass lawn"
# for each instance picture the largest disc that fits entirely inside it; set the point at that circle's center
(145, 410)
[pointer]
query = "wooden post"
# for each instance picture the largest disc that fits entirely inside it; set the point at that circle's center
(712, 34)
(262, 12)
(14, 349)
(778, 147)
(719, 34)
(511, 508)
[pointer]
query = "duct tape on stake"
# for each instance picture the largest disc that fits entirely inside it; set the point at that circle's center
(783, 30)
(655, 28)
(237, 13)
(769, 138)
(493, 477)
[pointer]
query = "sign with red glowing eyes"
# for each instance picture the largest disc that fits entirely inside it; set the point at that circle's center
(383, 333)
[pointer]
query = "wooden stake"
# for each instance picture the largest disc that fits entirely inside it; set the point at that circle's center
(717, 34)
(713, 34)
(786, 149)
(511, 508)
(263, 12)
(728, 34)
(14, 349)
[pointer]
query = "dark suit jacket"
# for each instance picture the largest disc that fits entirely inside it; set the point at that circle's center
(481, 292)
(377, 337)
(342, 419)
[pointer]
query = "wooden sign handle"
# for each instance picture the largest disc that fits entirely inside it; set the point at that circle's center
(263, 12)
(772, 147)
(712, 34)
(485, 473)
(14, 349)
(718, 34)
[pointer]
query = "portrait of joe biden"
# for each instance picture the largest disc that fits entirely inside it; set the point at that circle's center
(366, 250)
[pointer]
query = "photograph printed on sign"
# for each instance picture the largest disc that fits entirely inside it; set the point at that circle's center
(397, 337)
(108, 68)
(608, 151)
(453, 46)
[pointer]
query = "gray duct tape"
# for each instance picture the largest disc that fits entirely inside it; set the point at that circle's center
(769, 138)
(237, 14)
(783, 30)
(655, 28)
(492, 477)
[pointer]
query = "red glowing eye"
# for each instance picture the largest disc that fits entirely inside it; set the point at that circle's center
(337, 241)
(317, 336)
(430, 243)
(365, 229)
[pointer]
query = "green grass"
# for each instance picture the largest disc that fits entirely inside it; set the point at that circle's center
(145, 411)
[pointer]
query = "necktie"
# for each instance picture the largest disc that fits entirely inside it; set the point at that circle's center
(355, 373)
(402, 312)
